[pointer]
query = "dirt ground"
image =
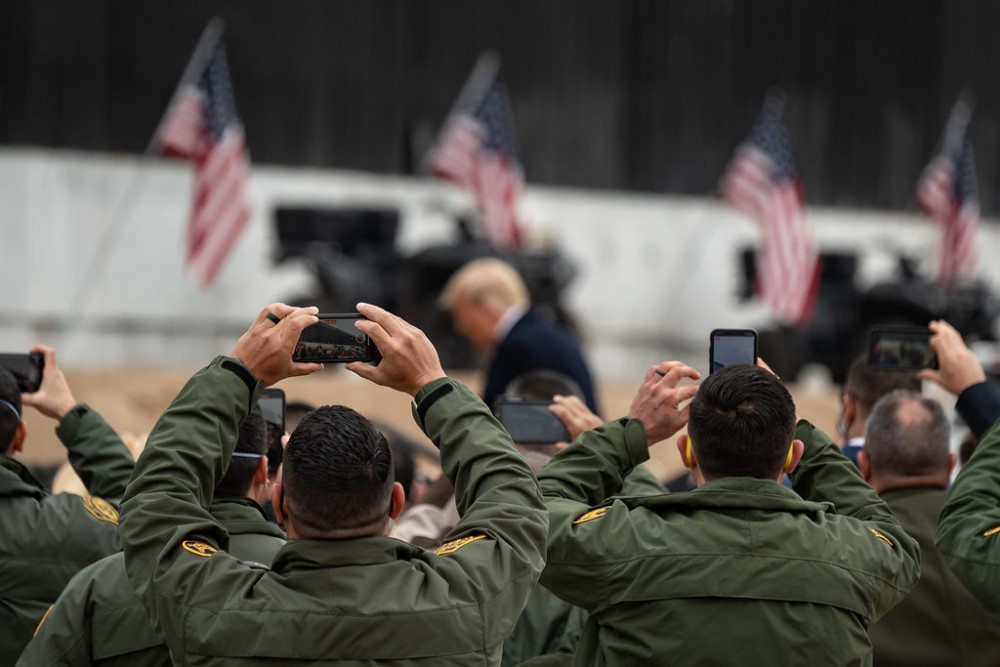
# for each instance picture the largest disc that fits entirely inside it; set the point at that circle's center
(132, 399)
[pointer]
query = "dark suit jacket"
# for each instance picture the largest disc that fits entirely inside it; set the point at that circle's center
(939, 622)
(979, 406)
(536, 343)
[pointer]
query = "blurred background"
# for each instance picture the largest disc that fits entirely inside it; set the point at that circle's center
(626, 115)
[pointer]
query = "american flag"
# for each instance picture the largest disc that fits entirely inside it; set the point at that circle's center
(478, 150)
(761, 181)
(202, 126)
(946, 191)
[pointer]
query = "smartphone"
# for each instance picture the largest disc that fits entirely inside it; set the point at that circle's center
(529, 422)
(901, 349)
(26, 368)
(732, 346)
(334, 339)
(272, 406)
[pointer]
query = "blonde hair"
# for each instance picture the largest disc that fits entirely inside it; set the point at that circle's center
(482, 278)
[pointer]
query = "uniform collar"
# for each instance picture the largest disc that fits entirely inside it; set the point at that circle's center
(734, 493)
(240, 515)
(320, 554)
(15, 480)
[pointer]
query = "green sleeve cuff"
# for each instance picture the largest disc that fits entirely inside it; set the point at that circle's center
(69, 427)
(636, 442)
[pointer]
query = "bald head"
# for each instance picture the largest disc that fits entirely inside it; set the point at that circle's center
(907, 437)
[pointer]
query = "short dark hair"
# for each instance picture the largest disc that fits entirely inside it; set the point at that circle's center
(742, 421)
(10, 393)
(907, 441)
(338, 471)
(251, 440)
(867, 385)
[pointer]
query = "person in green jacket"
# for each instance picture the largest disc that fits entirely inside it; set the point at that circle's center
(906, 460)
(741, 570)
(339, 592)
(45, 539)
(98, 620)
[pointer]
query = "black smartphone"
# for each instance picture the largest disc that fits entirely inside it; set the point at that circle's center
(334, 339)
(900, 349)
(732, 346)
(26, 368)
(272, 406)
(529, 422)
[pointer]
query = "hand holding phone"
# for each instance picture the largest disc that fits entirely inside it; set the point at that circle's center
(529, 422)
(732, 346)
(334, 339)
(901, 349)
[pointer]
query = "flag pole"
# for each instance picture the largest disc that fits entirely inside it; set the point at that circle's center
(94, 271)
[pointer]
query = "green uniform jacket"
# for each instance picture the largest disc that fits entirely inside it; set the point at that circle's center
(939, 622)
(98, 620)
(351, 602)
(968, 534)
(45, 539)
(740, 571)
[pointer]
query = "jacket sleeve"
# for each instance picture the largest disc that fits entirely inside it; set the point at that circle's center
(824, 474)
(499, 542)
(979, 406)
(96, 453)
(578, 478)
(167, 530)
(63, 636)
(968, 534)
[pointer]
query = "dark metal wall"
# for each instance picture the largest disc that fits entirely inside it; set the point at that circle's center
(627, 94)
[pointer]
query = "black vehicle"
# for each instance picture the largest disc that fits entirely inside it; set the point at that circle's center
(353, 254)
(838, 329)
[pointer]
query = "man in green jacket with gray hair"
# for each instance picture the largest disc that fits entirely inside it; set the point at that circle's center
(339, 592)
(741, 570)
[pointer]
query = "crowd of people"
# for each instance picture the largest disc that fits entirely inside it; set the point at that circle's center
(791, 549)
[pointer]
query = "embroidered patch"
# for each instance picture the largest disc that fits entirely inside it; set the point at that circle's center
(592, 514)
(198, 548)
(101, 509)
(991, 532)
(455, 545)
(882, 537)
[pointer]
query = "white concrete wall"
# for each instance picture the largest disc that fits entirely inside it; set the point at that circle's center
(656, 273)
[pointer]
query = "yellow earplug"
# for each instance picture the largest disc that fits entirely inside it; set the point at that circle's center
(788, 459)
(688, 453)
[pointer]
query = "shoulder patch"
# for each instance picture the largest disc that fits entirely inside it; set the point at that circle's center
(592, 514)
(991, 532)
(198, 548)
(455, 545)
(882, 537)
(101, 509)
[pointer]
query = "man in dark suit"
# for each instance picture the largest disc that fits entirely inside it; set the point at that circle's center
(906, 460)
(492, 308)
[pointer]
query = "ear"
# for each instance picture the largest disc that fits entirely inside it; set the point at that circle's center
(795, 452)
(17, 444)
(278, 502)
(865, 466)
(850, 411)
(396, 500)
(260, 476)
(951, 463)
(686, 452)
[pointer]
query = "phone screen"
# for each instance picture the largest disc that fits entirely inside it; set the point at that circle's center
(272, 407)
(732, 346)
(901, 349)
(26, 369)
(335, 338)
(530, 422)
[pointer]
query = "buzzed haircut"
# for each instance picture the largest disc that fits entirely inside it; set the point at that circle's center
(252, 439)
(10, 393)
(338, 471)
(485, 276)
(868, 385)
(907, 434)
(742, 421)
